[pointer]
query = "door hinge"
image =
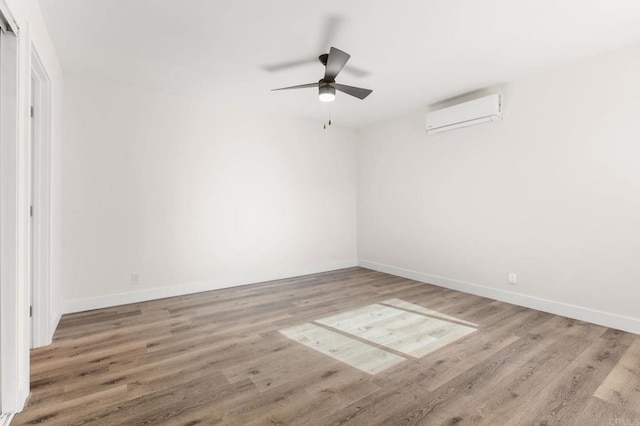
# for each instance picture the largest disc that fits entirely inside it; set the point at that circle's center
(31, 112)
(31, 211)
(30, 311)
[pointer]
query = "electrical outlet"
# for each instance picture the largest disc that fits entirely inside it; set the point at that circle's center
(512, 278)
(135, 278)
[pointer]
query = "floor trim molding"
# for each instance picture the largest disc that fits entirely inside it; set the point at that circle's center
(5, 419)
(88, 304)
(606, 319)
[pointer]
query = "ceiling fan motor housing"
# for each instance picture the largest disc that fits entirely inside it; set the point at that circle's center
(326, 91)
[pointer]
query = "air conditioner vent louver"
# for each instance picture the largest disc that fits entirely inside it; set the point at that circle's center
(478, 111)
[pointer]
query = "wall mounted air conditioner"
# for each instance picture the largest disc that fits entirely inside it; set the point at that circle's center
(478, 111)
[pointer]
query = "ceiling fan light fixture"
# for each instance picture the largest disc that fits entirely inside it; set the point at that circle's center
(327, 93)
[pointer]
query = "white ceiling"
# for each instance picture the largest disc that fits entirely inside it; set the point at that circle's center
(417, 52)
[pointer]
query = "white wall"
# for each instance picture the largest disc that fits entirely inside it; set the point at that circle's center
(196, 196)
(552, 193)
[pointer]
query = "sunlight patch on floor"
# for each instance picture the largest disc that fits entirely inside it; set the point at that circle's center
(360, 336)
(350, 351)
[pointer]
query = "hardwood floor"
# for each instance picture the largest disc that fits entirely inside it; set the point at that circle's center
(223, 357)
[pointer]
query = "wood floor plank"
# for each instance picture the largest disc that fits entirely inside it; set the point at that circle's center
(622, 385)
(512, 392)
(479, 378)
(564, 398)
(599, 412)
(220, 357)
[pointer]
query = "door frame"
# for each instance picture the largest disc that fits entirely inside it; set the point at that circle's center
(41, 199)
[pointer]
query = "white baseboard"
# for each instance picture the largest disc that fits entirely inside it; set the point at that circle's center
(606, 319)
(54, 323)
(47, 339)
(80, 305)
(23, 395)
(5, 419)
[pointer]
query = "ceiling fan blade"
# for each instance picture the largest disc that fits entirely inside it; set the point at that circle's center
(355, 71)
(302, 86)
(289, 64)
(336, 61)
(353, 91)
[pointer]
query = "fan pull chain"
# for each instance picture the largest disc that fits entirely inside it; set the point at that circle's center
(328, 122)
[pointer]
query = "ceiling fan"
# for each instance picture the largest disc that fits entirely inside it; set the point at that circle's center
(333, 62)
